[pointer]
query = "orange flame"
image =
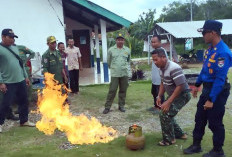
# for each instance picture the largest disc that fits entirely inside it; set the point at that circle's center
(56, 115)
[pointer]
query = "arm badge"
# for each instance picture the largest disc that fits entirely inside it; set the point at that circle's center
(221, 62)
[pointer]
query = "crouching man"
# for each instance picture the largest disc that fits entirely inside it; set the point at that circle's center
(173, 82)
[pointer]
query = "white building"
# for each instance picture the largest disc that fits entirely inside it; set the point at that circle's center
(34, 20)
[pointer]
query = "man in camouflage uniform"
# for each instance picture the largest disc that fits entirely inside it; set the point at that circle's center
(118, 61)
(173, 82)
(52, 61)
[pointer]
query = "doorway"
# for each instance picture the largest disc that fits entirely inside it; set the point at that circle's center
(82, 40)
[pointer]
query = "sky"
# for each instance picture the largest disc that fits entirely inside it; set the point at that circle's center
(131, 9)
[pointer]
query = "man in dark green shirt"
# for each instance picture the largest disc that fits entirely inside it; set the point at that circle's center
(13, 79)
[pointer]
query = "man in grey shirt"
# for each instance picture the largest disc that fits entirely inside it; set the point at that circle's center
(156, 80)
(173, 82)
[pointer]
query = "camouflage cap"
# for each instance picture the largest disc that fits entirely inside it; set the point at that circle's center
(51, 39)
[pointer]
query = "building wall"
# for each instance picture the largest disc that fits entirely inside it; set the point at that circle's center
(74, 25)
(33, 21)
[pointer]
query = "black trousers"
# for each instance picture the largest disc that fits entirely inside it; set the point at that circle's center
(74, 80)
(18, 91)
(213, 116)
(155, 92)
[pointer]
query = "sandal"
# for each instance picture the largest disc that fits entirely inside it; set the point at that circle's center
(165, 143)
(183, 137)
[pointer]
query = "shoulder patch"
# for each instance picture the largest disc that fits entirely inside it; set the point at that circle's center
(45, 60)
(221, 62)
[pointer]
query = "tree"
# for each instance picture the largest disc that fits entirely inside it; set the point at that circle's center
(216, 9)
(144, 24)
(211, 9)
(177, 11)
(132, 42)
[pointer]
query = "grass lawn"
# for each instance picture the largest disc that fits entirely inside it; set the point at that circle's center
(23, 142)
(29, 142)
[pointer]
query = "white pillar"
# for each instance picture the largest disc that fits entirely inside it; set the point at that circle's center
(97, 49)
(91, 48)
(170, 43)
(104, 49)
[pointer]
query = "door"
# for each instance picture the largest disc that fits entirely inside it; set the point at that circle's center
(82, 40)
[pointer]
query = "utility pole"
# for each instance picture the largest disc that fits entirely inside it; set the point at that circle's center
(191, 10)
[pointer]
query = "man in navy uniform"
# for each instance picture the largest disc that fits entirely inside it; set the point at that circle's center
(216, 89)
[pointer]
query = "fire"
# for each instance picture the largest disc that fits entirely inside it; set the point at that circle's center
(56, 115)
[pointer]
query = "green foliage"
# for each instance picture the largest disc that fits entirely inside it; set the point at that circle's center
(144, 66)
(132, 42)
(210, 9)
(135, 33)
(144, 24)
(175, 11)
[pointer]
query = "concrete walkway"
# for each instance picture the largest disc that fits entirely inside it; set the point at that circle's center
(89, 76)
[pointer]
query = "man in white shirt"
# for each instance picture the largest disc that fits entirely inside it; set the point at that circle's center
(156, 80)
(74, 65)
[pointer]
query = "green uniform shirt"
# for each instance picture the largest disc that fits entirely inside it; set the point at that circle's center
(10, 69)
(23, 52)
(52, 63)
(118, 61)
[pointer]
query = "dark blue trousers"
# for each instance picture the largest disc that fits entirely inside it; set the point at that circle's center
(16, 91)
(213, 116)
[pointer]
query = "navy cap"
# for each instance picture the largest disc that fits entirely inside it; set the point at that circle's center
(211, 25)
(120, 36)
(9, 32)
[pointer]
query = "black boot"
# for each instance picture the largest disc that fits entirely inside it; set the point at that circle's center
(122, 109)
(193, 149)
(214, 153)
(106, 110)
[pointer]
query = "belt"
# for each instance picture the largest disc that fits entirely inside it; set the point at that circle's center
(210, 84)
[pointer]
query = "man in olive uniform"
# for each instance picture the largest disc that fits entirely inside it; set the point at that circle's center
(52, 61)
(118, 61)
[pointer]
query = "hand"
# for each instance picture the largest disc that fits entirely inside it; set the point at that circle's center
(3, 88)
(158, 101)
(165, 106)
(65, 79)
(81, 69)
(208, 105)
(27, 81)
(195, 90)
